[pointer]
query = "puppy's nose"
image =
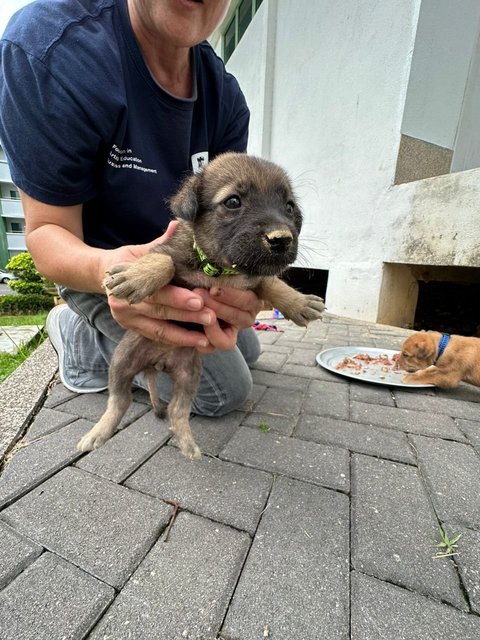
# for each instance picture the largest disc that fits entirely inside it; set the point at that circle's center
(279, 241)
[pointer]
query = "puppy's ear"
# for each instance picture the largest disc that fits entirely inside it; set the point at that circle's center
(424, 352)
(184, 203)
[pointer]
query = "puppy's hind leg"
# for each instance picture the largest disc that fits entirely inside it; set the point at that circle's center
(185, 371)
(159, 406)
(127, 361)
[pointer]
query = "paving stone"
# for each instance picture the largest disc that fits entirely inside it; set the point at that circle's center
(257, 392)
(305, 357)
(16, 553)
(267, 337)
(209, 487)
(388, 342)
(40, 459)
(287, 402)
(269, 422)
(277, 380)
(468, 560)
(394, 530)
(142, 396)
(452, 472)
(419, 422)
(316, 463)
(382, 611)
(182, 588)
(463, 392)
(361, 438)
(57, 395)
(99, 526)
(91, 406)
(371, 393)
(282, 348)
(327, 399)
(46, 421)
(52, 600)
(471, 429)
(312, 373)
(270, 361)
(295, 579)
(212, 434)
(316, 331)
(127, 449)
(433, 404)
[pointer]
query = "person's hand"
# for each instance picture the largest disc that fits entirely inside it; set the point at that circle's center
(221, 311)
(235, 309)
(150, 317)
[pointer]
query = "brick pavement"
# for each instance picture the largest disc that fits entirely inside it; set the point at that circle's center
(313, 514)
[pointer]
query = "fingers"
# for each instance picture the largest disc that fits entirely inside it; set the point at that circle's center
(237, 307)
(222, 337)
(170, 230)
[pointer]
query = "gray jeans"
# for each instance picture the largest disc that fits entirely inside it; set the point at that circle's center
(90, 336)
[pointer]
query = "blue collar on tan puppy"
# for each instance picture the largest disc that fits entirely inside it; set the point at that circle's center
(443, 345)
(211, 269)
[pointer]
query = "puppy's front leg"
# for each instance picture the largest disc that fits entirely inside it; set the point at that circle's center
(433, 375)
(295, 306)
(137, 280)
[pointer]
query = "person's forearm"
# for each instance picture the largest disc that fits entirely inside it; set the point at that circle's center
(62, 257)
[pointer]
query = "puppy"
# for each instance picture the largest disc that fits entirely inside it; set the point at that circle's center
(440, 359)
(238, 227)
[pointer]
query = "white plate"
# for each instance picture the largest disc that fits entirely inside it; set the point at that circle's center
(330, 358)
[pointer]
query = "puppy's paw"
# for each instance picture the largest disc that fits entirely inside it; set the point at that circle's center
(310, 308)
(411, 378)
(91, 441)
(128, 282)
(190, 449)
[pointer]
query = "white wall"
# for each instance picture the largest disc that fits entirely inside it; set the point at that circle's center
(338, 74)
(467, 144)
(256, 76)
(445, 43)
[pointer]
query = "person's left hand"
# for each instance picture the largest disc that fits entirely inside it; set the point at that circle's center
(235, 308)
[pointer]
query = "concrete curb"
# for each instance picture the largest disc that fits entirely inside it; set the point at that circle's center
(22, 393)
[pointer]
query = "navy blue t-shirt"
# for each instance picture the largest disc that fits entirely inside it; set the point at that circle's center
(82, 120)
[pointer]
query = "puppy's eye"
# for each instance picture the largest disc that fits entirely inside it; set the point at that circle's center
(233, 202)
(290, 207)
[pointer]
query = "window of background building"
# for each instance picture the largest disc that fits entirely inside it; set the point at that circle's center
(238, 25)
(14, 194)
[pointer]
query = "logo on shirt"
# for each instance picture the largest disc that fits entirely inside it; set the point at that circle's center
(126, 159)
(199, 160)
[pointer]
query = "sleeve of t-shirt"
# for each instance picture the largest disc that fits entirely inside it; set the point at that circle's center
(49, 138)
(235, 134)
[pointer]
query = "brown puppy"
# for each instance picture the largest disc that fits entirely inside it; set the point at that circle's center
(431, 358)
(239, 227)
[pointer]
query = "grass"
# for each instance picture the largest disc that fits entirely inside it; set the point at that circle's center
(448, 546)
(16, 321)
(10, 361)
(264, 428)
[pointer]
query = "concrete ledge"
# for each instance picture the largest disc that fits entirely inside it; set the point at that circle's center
(22, 393)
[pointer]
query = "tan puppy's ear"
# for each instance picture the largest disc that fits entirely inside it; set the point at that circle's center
(184, 204)
(424, 352)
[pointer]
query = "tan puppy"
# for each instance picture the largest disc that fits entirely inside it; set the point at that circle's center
(431, 358)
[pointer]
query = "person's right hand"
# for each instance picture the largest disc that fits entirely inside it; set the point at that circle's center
(151, 317)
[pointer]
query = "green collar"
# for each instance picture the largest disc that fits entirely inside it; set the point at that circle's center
(211, 269)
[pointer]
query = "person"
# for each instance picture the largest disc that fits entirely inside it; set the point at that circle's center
(105, 106)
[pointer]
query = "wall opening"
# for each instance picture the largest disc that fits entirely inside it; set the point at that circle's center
(313, 281)
(432, 298)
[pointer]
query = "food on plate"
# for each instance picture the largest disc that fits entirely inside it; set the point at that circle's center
(358, 363)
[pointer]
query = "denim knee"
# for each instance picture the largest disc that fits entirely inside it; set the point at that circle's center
(218, 400)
